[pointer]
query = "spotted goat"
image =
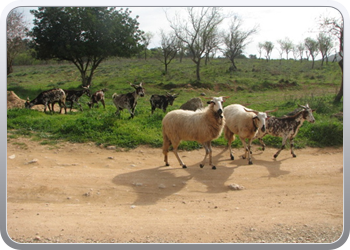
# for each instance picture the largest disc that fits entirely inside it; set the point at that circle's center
(49, 97)
(286, 127)
(161, 101)
(98, 96)
(128, 101)
(73, 96)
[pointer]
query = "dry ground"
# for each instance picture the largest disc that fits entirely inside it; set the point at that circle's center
(83, 193)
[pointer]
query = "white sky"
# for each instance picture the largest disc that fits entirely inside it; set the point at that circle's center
(275, 23)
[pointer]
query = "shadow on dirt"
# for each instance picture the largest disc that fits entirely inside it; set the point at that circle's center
(154, 184)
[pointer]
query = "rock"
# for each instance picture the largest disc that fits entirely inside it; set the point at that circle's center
(12, 157)
(234, 186)
(33, 161)
(111, 147)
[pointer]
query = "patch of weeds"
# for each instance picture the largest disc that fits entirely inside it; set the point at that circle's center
(21, 145)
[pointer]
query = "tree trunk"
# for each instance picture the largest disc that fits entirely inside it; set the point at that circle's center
(165, 68)
(340, 93)
(86, 80)
(9, 69)
(198, 70)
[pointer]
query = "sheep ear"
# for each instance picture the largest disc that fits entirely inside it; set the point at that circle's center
(225, 98)
(209, 102)
(246, 110)
(270, 111)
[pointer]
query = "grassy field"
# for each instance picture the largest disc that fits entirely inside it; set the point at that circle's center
(258, 84)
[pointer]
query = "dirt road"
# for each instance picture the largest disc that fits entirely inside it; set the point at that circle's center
(83, 193)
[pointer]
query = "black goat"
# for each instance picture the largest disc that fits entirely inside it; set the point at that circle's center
(162, 101)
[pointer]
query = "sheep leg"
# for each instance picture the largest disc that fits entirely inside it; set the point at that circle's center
(229, 137)
(208, 151)
(166, 145)
(247, 153)
(245, 148)
(210, 156)
(177, 155)
(282, 147)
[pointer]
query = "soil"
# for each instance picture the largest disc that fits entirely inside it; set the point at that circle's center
(84, 193)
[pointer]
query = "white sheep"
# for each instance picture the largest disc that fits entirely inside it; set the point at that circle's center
(202, 126)
(245, 123)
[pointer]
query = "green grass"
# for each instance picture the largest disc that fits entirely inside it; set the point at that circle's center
(258, 84)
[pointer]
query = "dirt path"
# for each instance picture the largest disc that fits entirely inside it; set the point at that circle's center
(83, 193)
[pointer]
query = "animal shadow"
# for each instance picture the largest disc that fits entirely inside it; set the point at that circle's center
(153, 184)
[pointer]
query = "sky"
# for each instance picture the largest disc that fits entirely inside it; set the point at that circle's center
(275, 23)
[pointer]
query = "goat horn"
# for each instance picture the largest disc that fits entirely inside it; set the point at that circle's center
(302, 106)
(270, 111)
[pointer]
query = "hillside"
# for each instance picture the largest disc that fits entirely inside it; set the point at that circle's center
(259, 84)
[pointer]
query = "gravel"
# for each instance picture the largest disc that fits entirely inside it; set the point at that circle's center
(278, 234)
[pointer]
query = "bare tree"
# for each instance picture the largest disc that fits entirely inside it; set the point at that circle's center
(196, 30)
(312, 46)
(286, 46)
(335, 26)
(300, 48)
(324, 45)
(16, 32)
(236, 40)
(146, 41)
(260, 48)
(268, 47)
(295, 52)
(212, 46)
(168, 50)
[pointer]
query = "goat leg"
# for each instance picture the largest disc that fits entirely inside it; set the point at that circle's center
(292, 147)
(282, 147)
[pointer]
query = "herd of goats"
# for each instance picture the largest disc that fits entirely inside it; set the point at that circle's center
(194, 122)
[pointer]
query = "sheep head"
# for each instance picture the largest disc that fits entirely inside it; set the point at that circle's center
(216, 103)
(262, 116)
